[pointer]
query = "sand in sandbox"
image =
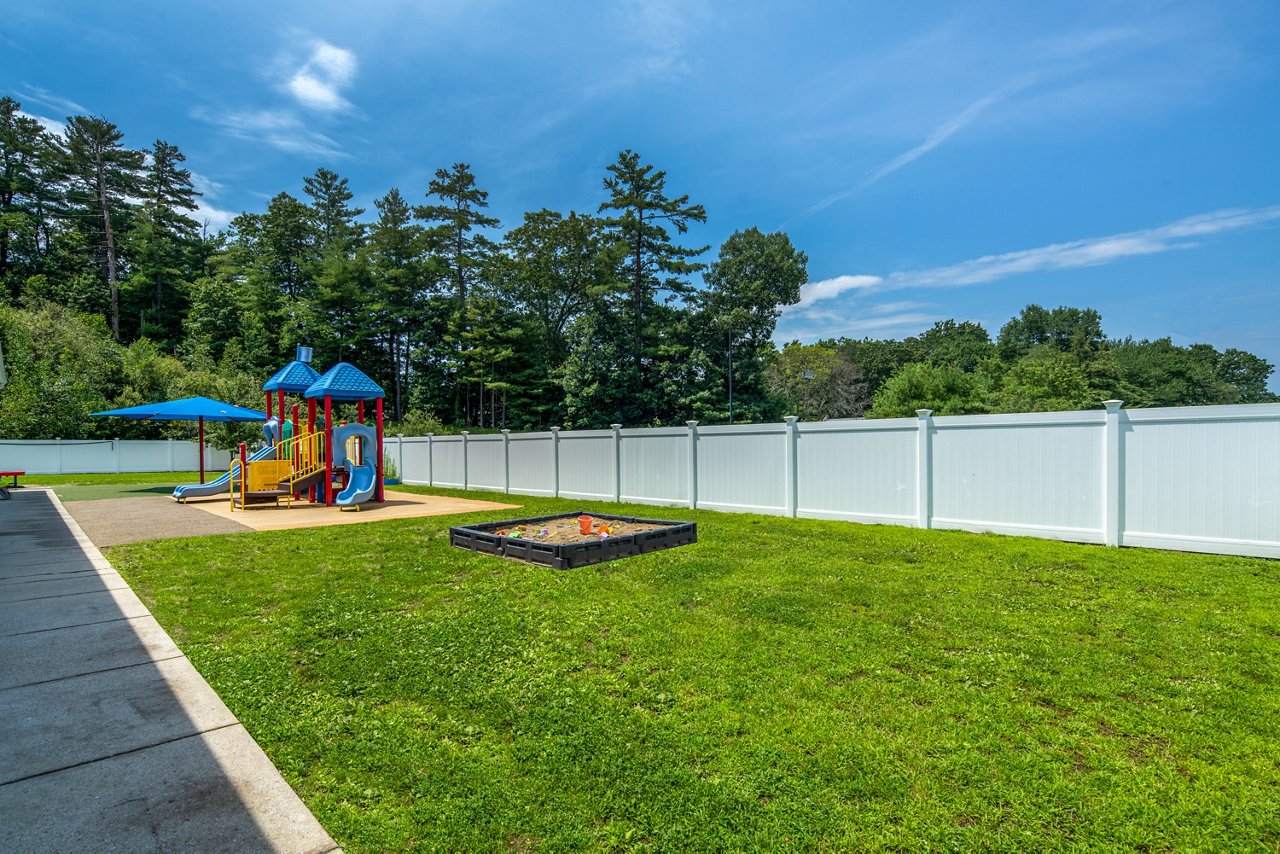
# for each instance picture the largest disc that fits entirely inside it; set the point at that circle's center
(560, 531)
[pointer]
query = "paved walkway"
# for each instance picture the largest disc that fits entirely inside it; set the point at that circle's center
(109, 738)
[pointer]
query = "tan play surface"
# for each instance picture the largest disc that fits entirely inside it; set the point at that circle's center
(399, 505)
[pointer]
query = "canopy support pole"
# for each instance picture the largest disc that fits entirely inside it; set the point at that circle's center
(200, 420)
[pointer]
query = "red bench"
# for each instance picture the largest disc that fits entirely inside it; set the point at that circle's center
(4, 490)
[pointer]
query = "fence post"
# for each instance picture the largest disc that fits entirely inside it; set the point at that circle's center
(1113, 474)
(115, 447)
(555, 461)
(400, 457)
(431, 462)
(506, 460)
(693, 464)
(466, 463)
(59, 446)
(617, 462)
(790, 469)
(924, 468)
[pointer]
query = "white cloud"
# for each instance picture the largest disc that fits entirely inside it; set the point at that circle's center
(279, 129)
(53, 126)
(318, 84)
(206, 213)
(212, 218)
(831, 288)
(1090, 252)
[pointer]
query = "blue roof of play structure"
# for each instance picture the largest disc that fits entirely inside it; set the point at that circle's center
(344, 382)
(188, 409)
(295, 377)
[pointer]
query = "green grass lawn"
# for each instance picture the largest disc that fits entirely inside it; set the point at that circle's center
(86, 487)
(782, 684)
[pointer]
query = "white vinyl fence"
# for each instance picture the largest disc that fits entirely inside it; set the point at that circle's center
(95, 456)
(1204, 478)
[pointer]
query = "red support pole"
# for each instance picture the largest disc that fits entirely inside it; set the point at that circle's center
(200, 421)
(380, 492)
(297, 453)
(311, 428)
(268, 406)
(360, 411)
(283, 417)
(328, 451)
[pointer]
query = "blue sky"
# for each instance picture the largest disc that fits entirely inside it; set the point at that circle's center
(933, 159)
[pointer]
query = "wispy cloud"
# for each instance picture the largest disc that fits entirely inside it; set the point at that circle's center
(54, 102)
(940, 134)
(318, 83)
(1083, 74)
(280, 129)
(1089, 252)
(663, 29)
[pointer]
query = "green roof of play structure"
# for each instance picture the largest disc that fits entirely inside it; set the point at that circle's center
(295, 377)
(344, 382)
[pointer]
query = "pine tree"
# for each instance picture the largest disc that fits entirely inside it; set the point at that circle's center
(103, 176)
(333, 220)
(453, 233)
(164, 244)
(403, 279)
(22, 144)
(642, 214)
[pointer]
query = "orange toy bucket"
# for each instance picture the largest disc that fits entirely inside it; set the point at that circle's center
(584, 524)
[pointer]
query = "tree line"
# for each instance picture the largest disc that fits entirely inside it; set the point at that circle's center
(115, 294)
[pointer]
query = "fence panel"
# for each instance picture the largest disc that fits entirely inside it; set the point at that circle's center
(415, 460)
(486, 463)
(863, 472)
(33, 457)
(587, 464)
(448, 465)
(1035, 474)
(743, 468)
(1204, 479)
(532, 463)
(655, 466)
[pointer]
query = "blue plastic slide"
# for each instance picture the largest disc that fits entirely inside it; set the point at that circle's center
(360, 484)
(222, 484)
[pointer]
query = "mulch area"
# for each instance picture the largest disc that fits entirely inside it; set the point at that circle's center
(112, 521)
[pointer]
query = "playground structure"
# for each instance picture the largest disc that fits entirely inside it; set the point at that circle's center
(302, 459)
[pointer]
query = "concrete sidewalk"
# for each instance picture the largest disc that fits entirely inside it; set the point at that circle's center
(109, 738)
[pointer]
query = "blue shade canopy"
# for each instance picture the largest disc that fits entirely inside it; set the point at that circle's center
(188, 409)
(295, 378)
(344, 382)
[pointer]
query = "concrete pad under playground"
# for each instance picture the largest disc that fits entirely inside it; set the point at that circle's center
(110, 739)
(399, 505)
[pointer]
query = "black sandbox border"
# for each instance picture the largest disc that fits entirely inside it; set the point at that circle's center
(483, 538)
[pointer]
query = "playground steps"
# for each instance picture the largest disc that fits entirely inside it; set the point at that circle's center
(305, 481)
(262, 496)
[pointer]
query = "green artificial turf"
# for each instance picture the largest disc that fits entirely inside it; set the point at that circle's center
(86, 487)
(783, 684)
